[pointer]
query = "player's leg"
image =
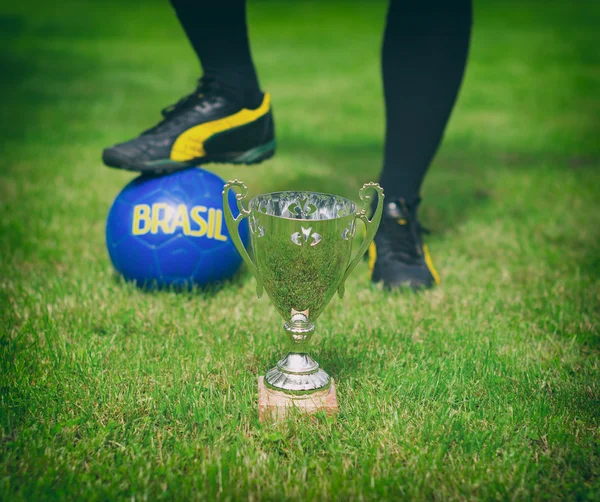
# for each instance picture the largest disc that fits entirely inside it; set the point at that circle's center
(423, 60)
(226, 118)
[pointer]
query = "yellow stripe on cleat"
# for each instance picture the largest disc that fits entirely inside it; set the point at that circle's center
(190, 144)
(372, 257)
(429, 263)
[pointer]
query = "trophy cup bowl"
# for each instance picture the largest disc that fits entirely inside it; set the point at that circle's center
(300, 253)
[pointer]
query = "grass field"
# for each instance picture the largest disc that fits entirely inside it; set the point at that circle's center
(487, 387)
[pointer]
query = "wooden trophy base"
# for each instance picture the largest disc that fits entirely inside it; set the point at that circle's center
(277, 405)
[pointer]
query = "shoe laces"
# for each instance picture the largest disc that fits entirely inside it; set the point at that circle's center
(403, 235)
(206, 89)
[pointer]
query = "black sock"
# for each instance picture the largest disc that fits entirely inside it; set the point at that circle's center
(218, 33)
(423, 60)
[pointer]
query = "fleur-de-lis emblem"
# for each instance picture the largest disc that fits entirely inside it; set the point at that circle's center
(255, 228)
(302, 238)
(349, 231)
(342, 211)
(302, 208)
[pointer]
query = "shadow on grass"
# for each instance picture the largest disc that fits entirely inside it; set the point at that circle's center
(208, 291)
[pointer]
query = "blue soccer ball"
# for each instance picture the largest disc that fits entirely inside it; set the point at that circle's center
(170, 230)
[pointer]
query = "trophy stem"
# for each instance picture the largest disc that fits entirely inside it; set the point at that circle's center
(297, 372)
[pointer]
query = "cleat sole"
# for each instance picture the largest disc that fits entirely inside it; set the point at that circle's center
(256, 155)
(253, 156)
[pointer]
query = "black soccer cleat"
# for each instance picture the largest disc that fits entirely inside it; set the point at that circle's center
(203, 127)
(397, 256)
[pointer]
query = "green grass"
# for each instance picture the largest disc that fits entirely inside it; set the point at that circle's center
(487, 387)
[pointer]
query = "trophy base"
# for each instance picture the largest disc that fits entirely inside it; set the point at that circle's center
(276, 405)
(297, 373)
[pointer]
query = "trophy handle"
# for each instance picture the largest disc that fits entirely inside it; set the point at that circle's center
(371, 226)
(233, 225)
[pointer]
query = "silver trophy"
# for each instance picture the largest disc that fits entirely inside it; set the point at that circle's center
(301, 245)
